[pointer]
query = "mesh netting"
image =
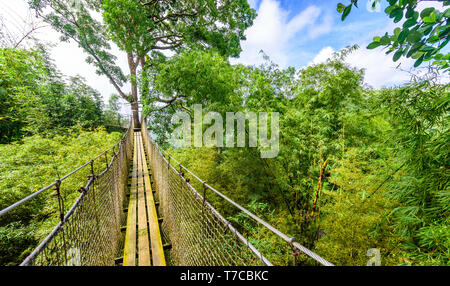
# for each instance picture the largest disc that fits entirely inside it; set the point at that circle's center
(198, 233)
(90, 231)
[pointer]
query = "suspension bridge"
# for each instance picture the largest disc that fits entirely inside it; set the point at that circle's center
(141, 207)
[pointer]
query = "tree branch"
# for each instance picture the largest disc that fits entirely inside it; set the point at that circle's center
(27, 34)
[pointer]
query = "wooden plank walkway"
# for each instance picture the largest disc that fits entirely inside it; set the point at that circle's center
(142, 238)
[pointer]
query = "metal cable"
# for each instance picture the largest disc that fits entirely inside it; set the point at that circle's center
(163, 155)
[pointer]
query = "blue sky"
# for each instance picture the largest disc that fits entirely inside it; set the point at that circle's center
(325, 28)
(319, 25)
(301, 32)
(292, 32)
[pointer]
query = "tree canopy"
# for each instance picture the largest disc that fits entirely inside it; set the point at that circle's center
(36, 98)
(143, 30)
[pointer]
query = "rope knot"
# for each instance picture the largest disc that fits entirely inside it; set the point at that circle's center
(92, 176)
(292, 241)
(57, 187)
(295, 253)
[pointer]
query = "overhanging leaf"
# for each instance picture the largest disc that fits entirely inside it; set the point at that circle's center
(373, 45)
(414, 36)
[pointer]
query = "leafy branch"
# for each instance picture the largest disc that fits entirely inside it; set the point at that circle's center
(422, 36)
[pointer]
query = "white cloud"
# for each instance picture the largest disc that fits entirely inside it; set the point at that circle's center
(322, 28)
(322, 56)
(300, 21)
(379, 68)
(425, 4)
(274, 34)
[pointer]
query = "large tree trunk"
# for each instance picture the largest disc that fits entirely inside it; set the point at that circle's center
(134, 91)
(135, 112)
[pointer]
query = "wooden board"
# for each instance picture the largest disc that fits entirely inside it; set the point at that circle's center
(142, 222)
(129, 257)
(143, 243)
(155, 234)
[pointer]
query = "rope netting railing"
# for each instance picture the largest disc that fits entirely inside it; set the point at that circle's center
(89, 232)
(199, 234)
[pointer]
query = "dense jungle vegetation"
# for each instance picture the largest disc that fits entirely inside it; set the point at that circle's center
(49, 126)
(383, 153)
(358, 168)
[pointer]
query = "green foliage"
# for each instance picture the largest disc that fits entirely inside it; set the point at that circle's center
(353, 220)
(386, 184)
(201, 24)
(419, 113)
(14, 238)
(192, 78)
(142, 30)
(35, 98)
(422, 36)
(111, 114)
(197, 77)
(20, 102)
(32, 164)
